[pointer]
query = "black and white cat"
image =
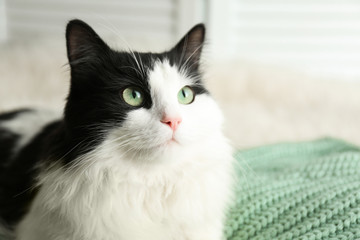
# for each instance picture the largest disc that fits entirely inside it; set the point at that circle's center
(138, 155)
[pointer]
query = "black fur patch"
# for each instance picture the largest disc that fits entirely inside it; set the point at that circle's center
(17, 179)
(11, 115)
(8, 139)
(7, 142)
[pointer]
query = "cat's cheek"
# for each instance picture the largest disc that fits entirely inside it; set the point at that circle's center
(137, 119)
(208, 111)
(200, 120)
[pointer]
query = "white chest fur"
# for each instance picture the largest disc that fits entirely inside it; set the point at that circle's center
(166, 201)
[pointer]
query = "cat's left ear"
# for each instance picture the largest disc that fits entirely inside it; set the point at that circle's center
(188, 49)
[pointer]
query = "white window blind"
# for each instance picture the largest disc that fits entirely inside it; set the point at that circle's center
(320, 37)
(152, 20)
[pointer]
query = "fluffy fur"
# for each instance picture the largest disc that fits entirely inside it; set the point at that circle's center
(110, 171)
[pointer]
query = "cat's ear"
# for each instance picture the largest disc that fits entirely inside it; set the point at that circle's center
(190, 46)
(82, 42)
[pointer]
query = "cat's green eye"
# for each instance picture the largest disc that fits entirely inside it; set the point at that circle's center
(133, 96)
(186, 95)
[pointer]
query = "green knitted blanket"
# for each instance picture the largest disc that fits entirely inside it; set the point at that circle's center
(305, 190)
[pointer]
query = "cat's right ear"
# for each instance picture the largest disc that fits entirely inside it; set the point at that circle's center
(82, 42)
(190, 46)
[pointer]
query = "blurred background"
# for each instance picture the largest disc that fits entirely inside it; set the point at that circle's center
(282, 70)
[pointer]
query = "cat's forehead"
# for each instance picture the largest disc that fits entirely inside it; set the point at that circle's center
(164, 75)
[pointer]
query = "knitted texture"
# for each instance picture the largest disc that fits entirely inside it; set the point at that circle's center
(303, 191)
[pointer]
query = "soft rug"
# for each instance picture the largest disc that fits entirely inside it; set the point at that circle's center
(308, 190)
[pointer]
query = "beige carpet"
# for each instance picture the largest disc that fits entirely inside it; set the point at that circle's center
(262, 104)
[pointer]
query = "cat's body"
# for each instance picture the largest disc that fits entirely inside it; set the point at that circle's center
(114, 169)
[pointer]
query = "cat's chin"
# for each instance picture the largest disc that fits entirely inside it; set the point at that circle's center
(165, 147)
(159, 153)
(146, 149)
(169, 143)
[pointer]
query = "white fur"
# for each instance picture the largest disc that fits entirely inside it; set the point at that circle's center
(139, 185)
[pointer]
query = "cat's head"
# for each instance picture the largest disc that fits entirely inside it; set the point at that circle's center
(142, 104)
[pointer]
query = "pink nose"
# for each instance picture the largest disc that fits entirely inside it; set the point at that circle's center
(172, 122)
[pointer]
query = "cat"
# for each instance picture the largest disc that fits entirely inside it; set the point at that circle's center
(138, 154)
